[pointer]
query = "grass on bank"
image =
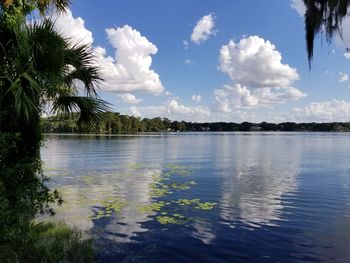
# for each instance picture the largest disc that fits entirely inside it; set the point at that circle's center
(54, 242)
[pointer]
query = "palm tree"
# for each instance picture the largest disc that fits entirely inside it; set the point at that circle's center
(38, 65)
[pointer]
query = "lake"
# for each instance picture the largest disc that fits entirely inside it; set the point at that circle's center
(206, 197)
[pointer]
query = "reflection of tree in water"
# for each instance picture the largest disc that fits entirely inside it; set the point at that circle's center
(262, 172)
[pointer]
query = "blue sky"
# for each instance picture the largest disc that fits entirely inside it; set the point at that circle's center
(204, 60)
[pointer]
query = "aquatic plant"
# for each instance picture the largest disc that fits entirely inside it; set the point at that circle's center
(156, 206)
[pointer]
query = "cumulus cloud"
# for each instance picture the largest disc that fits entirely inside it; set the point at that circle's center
(134, 111)
(343, 77)
(172, 109)
(299, 6)
(129, 98)
(255, 62)
(334, 110)
(73, 28)
(196, 98)
(230, 98)
(129, 70)
(203, 29)
(259, 77)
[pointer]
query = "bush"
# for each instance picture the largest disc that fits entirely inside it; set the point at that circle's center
(23, 194)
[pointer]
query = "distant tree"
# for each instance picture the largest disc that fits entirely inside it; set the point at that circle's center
(245, 126)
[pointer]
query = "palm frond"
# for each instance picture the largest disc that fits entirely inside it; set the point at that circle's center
(44, 5)
(90, 108)
(24, 90)
(80, 58)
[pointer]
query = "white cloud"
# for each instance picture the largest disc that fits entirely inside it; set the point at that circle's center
(258, 75)
(334, 110)
(231, 98)
(172, 109)
(254, 62)
(203, 29)
(134, 111)
(73, 28)
(196, 98)
(186, 44)
(299, 6)
(189, 61)
(269, 96)
(130, 68)
(343, 77)
(129, 98)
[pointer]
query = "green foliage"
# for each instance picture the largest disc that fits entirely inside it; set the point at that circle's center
(38, 65)
(109, 205)
(155, 206)
(169, 220)
(114, 123)
(197, 203)
(23, 194)
(52, 242)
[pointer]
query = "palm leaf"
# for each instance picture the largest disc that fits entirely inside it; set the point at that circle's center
(90, 108)
(80, 58)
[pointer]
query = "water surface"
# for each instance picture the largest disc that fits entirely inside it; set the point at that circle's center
(206, 197)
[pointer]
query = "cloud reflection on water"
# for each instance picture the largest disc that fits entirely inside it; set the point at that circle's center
(253, 190)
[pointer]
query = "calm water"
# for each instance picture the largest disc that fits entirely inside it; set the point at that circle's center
(248, 197)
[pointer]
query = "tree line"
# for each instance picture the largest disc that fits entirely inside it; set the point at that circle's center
(116, 123)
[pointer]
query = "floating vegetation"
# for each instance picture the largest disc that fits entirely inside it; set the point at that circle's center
(90, 179)
(177, 170)
(156, 206)
(116, 205)
(136, 166)
(168, 220)
(108, 208)
(159, 189)
(182, 186)
(178, 219)
(206, 206)
(198, 204)
(184, 202)
(176, 167)
(99, 198)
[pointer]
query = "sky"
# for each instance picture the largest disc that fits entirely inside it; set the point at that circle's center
(205, 60)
